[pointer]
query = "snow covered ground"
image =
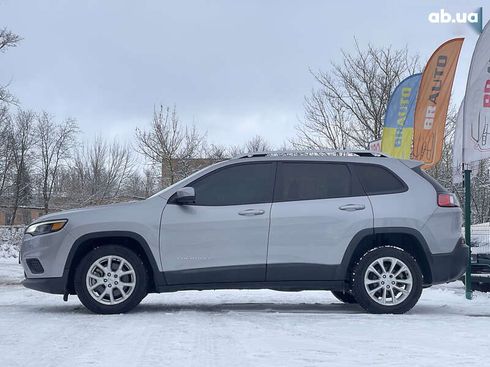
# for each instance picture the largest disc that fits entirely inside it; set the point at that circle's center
(240, 328)
(10, 239)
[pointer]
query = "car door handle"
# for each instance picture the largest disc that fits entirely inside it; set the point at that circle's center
(352, 207)
(251, 212)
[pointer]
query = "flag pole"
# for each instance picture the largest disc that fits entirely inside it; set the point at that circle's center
(467, 228)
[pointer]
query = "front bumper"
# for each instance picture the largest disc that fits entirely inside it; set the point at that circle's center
(448, 267)
(45, 256)
(43, 259)
(48, 285)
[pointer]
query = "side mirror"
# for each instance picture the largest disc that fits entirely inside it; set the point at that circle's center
(185, 196)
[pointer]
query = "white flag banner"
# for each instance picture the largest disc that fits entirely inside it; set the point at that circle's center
(458, 147)
(476, 109)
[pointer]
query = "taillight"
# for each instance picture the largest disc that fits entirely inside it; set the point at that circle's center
(447, 200)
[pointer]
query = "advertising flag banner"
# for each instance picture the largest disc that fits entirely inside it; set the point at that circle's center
(433, 101)
(399, 117)
(458, 147)
(476, 111)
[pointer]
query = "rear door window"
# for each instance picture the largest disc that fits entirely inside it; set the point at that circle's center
(313, 180)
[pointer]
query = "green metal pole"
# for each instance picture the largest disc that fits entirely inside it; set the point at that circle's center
(467, 228)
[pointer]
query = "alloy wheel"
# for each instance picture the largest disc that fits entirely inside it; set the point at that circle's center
(110, 280)
(388, 281)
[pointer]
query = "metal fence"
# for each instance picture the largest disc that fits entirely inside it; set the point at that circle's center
(480, 238)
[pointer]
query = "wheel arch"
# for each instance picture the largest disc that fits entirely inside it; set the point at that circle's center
(130, 240)
(405, 238)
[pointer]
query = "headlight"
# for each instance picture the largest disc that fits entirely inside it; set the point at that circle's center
(46, 227)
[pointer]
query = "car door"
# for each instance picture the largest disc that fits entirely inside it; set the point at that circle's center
(318, 208)
(223, 236)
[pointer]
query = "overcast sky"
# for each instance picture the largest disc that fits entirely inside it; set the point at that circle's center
(233, 68)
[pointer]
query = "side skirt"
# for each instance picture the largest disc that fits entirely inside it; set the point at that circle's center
(286, 286)
(282, 277)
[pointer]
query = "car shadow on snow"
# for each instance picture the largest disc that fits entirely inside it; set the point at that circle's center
(279, 308)
(334, 308)
(145, 308)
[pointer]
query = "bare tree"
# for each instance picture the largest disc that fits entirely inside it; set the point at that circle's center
(7, 39)
(216, 153)
(326, 124)
(6, 150)
(255, 144)
(119, 165)
(54, 144)
(150, 183)
(98, 173)
(23, 139)
(170, 145)
(6, 98)
(134, 185)
(141, 185)
(443, 169)
(349, 106)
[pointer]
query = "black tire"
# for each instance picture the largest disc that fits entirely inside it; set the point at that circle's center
(135, 295)
(403, 303)
(345, 297)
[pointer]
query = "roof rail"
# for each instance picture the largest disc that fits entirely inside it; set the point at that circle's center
(334, 152)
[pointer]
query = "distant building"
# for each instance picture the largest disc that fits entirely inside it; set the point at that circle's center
(24, 215)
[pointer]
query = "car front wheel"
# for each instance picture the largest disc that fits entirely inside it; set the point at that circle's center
(387, 280)
(111, 279)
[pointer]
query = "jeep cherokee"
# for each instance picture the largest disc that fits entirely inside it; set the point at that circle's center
(372, 229)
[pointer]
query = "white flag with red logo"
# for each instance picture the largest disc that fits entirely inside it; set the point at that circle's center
(476, 109)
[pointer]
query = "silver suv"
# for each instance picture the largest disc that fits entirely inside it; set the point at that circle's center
(371, 229)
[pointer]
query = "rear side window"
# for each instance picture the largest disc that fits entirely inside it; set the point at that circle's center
(378, 179)
(309, 181)
(236, 185)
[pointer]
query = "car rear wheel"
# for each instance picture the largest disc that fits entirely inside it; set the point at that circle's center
(345, 297)
(111, 279)
(387, 280)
